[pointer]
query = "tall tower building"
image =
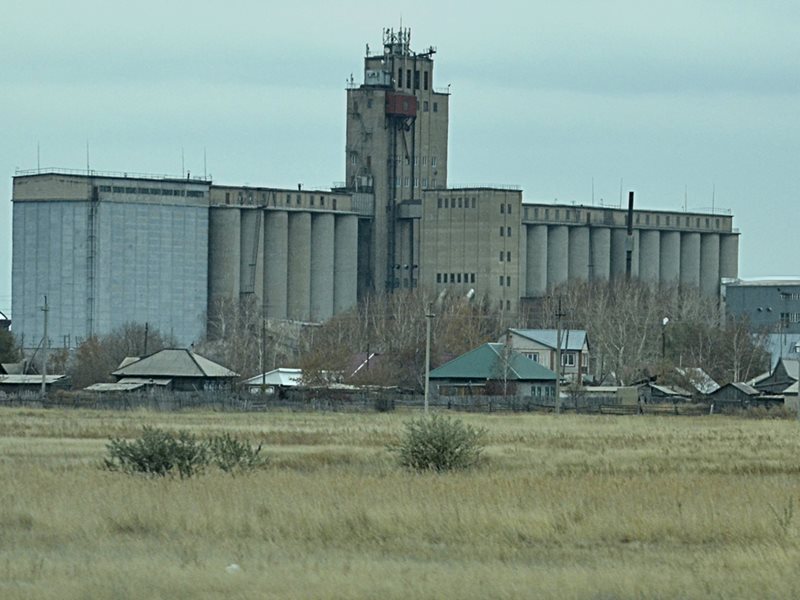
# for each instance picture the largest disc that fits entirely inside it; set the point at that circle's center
(396, 147)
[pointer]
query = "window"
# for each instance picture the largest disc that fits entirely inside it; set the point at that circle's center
(407, 182)
(399, 78)
(508, 304)
(435, 107)
(408, 78)
(459, 203)
(473, 203)
(534, 356)
(568, 359)
(502, 209)
(501, 255)
(288, 198)
(502, 231)
(334, 204)
(458, 277)
(508, 280)
(297, 199)
(647, 219)
(425, 106)
(508, 208)
(322, 200)
(452, 277)
(425, 81)
(355, 106)
(447, 202)
(369, 102)
(227, 197)
(416, 182)
(508, 232)
(416, 80)
(472, 277)
(424, 160)
(425, 182)
(312, 200)
(658, 219)
(706, 221)
(508, 256)
(439, 203)
(466, 277)
(667, 219)
(438, 278)
(502, 279)
(433, 161)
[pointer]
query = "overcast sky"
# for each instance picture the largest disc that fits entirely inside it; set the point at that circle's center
(677, 99)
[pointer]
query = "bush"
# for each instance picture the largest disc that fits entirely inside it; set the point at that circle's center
(439, 443)
(162, 453)
(159, 453)
(232, 455)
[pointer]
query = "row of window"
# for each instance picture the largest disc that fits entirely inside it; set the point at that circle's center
(152, 191)
(456, 202)
(312, 199)
(506, 255)
(455, 278)
(425, 106)
(506, 279)
(505, 208)
(425, 79)
(567, 358)
(406, 182)
(669, 220)
(505, 231)
(787, 318)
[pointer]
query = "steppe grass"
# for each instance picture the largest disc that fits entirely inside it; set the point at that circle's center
(561, 507)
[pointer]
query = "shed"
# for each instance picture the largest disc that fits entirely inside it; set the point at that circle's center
(274, 380)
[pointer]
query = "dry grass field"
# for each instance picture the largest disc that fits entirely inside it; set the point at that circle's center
(562, 507)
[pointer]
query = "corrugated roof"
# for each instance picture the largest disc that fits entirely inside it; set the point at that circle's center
(572, 339)
(127, 384)
(281, 376)
(792, 367)
(18, 379)
(486, 362)
(699, 379)
(174, 363)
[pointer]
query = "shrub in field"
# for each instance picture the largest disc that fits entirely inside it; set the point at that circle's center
(439, 443)
(161, 453)
(158, 452)
(232, 455)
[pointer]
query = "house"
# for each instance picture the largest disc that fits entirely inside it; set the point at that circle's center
(494, 369)
(734, 394)
(653, 393)
(540, 346)
(185, 370)
(785, 373)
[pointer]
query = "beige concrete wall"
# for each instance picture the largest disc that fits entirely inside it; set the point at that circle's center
(468, 232)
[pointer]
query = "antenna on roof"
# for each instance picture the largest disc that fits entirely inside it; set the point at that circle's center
(38, 162)
(88, 170)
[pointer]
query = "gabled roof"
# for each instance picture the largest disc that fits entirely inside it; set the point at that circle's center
(742, 387)
(486, 362)
(698, 379)
(173, 362)
(281, 376)
(572, 339)
(791, 366)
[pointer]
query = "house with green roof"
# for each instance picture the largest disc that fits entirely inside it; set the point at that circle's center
(494, 369)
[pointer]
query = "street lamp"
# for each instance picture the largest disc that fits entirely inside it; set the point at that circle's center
(664, 322)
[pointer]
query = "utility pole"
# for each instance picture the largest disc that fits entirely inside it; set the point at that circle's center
(45, 347)
(559, 315)
(146, 334)
(428, 318)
